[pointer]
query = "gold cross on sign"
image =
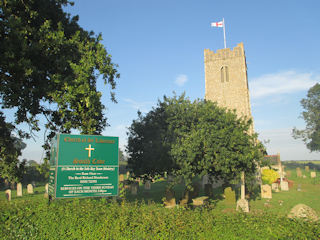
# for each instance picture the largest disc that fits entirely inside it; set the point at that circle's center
(89, 150)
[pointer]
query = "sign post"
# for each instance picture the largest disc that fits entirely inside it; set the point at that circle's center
(83, 166)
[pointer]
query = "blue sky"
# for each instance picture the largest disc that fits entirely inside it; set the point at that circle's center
(159, 46)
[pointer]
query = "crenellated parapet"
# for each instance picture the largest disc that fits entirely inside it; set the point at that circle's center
(225, 53)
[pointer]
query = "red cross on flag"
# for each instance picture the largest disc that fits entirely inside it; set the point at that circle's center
(217, 24)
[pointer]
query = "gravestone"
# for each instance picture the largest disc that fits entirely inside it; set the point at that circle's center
(170, 201)
(46, 188)
(8, 194)
(275, 187)
(200, 201)
(134, 188)
(229, 195)
(19, 190)
(29, 189)
(147, 185)
(208, 190)
(242, 205)
(307, 168)
(205, 180)
(266, 191)
(303, 211)
(121, 178)
(313, 174)
(284, 186)
(288, 174)
(33, 184)
(128, 175)
(299, 174)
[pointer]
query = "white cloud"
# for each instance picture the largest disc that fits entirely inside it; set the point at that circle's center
(143, 107)
(289, 148)
(281, 83)
(181, 80)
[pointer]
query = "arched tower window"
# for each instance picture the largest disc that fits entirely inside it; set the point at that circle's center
(224, 74)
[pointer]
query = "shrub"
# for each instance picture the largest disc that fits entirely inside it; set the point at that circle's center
(269, 176)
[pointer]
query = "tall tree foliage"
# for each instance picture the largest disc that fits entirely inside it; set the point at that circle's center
(49, 66)
(190, 139)
(311, 115)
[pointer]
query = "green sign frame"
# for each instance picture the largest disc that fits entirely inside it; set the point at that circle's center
(84, 166)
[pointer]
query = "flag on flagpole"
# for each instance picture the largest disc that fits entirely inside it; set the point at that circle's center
(217, 24)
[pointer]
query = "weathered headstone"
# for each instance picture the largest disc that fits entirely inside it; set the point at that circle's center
(208, 190)
(284, 186)
(229, 195)
(275, 187)
(242, 205)
(29, 189)
(200, 201)
(134, 188)
(19, 190)
(288, 174)
(303, 211)
(147, 185)
(299, 174)
(8, 194)
(170, 201)
(46, 187)
(313, 174)
(121, 178)
(266, 191)
(307, 168)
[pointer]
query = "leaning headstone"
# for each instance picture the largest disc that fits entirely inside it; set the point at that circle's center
(208, 190)
(307, 168)
(134, 188)
(200, 201)
(313, 174)
(147, 185)
(8, 194)
(242, 205)
(266, 191)
(284, 186)
(19, 190)
(275, 187)
(30, 189)
(229, 195)
(170, 201)
(299, 174)
(303, 211)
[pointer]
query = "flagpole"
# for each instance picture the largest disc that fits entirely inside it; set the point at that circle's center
(224, 34)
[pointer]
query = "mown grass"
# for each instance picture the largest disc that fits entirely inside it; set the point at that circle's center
(144, 217)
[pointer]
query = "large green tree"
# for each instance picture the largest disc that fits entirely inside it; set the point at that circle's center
(190, 139)
(311, 115)
(49, 66)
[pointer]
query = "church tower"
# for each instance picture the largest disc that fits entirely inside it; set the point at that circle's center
(226, 79)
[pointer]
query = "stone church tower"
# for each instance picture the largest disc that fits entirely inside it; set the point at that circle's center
(226, 79)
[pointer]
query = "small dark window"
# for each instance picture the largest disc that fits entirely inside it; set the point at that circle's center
(224, 74)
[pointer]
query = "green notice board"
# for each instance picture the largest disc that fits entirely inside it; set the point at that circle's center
(83, 166)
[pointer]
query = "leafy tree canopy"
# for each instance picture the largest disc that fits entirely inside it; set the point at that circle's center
(311, 115)
(189, 139)
(49, 66)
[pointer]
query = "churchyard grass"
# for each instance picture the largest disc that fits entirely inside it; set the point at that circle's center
(143, 216)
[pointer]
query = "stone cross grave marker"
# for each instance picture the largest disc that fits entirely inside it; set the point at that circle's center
(313, 174)
(242, 204)
(266, 191)
(299, 174)
(30, 189)
(19, 190)
(8, 194)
